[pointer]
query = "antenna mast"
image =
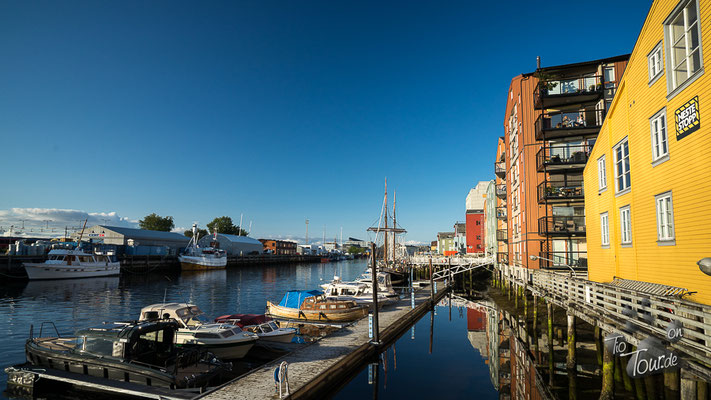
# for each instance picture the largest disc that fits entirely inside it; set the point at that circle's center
(385, 246)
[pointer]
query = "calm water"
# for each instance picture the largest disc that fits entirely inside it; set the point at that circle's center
(457, 367)
(74, 304)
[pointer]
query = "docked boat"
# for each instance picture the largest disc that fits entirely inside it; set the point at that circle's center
(195, 257)
(137, 352)
(312, 305)
(226, 341)
(266, 328)
(385, 284)
(68, 264)
(359, 292)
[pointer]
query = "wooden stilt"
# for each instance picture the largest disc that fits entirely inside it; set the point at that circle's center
(608, 382)
(571, 362)
(671, 385)
(551, 351)
(702, 390)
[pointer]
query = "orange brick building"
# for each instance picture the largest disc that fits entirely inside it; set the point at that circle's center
(280, 247)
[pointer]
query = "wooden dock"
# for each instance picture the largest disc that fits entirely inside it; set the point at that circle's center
(321, 367)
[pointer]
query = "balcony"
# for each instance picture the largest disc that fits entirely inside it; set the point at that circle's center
(562, 159)
(561, 124)
(563, 259)
(502, 258)
(501, 191)
(553, 93)
(500, 169)
(501, 213)
(559, 225)
(560, 191)
(502, 235)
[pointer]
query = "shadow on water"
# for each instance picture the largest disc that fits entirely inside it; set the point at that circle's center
(481, 341)
(80, 303)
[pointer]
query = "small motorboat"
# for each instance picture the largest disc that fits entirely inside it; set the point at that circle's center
(136, 352)
(66, 264)
(313, 305)
(359, 292)
(266, 328)
(385, 284)
(226, 341)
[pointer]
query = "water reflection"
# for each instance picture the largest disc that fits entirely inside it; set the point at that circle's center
(74, 304)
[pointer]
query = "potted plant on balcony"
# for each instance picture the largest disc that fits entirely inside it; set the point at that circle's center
(545, 82)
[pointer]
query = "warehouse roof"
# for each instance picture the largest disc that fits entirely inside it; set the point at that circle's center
(237, 239)
(134, 233)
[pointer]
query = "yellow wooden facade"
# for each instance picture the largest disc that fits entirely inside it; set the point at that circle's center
(686, 172)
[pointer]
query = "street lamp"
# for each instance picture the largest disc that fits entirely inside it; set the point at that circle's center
(534, 258)
(705, 265)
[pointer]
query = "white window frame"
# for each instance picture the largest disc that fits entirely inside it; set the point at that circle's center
(655, 63)
(660, 137)
(601, 174)
(665, 217)
(605, 229)
(613, 81)
(626, 174)
(626, 225)
(684, 41)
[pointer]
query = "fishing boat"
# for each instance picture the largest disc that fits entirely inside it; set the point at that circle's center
(68, 264)
(195, 257)
(138, 352)
(266, 328)
(226, 341)
(312, 305)
(359, 292)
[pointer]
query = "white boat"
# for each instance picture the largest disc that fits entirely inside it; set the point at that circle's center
(67, 264)
(225, 341)
(385, 284)
(359, 292)
(271, 335)
(201, 258)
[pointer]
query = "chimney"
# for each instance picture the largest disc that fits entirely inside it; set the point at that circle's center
(538, 62)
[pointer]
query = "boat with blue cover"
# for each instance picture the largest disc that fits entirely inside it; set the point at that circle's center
(313, 305)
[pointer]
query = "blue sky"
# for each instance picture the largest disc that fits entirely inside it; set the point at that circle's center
(277, 110)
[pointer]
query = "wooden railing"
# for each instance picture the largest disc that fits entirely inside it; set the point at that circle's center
(609, 307)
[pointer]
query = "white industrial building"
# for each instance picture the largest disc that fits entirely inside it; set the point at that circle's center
(122, 236)
(234, 245)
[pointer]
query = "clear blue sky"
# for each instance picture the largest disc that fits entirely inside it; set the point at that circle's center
(280, 110)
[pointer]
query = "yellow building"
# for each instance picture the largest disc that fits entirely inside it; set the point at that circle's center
(648, 178)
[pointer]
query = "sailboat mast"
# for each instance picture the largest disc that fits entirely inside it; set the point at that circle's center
(394, 225)
(385, 246)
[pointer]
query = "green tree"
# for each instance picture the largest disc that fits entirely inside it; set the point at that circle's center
(355, 250)
(201, 233)
(155, 222)
(224, 225)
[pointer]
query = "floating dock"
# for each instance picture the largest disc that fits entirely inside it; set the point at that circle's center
(323, 366)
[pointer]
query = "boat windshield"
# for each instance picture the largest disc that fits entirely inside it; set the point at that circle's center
(273, 325)
(266, 328)
(195, 320)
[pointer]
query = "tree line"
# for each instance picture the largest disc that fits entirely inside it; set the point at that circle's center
(224, 224)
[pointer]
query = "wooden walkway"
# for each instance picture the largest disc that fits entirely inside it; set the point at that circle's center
(322, 365)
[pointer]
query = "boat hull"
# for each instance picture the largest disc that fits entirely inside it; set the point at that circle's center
(191, 263)
(346, 315)
(36, 271)
(227, 351)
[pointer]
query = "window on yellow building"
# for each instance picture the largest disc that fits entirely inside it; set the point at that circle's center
(658, 126)
(683, 45)
(654, 60)
(601, 177)
(604, 229)
(665, 217)
(625, 225)
(622, 166)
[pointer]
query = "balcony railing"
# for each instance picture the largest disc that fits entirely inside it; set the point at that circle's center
(563, 259)
(500, 169)
(570, 90)
(501, 213)
(558, 225)
(562, 158)
(502, 258)
(502, 235)
(555, 191)
(501, 191)
(559, 124)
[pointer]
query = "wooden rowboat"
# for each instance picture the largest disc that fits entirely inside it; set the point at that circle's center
(312, 305)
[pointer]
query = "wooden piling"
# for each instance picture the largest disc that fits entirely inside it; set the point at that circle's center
(650, 386)
(535, 329)
(618, 370)
(608, 382)
(598, 345)
(551, 351)
(702, 390)
(625, 376)
(571, 362)
(671, 385)
(687, 386)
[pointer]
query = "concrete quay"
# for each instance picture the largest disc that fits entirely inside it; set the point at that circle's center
(321, 367)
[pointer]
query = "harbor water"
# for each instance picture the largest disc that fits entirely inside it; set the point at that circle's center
(475, 342)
